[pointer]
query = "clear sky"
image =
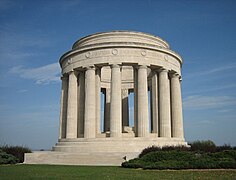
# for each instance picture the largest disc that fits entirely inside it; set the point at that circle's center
(34, 34)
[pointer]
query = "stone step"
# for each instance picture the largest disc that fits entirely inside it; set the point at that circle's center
(122, 145)
(101, 159)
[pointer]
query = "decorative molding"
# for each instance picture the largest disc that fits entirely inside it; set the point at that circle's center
(69, 61)
(166, 57)
(122, 45)
(114, 52)
(143, 52)
(88, 54)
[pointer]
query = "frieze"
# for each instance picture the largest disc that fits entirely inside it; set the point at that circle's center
(151, 57)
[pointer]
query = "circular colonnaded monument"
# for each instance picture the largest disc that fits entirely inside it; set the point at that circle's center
(104, 76)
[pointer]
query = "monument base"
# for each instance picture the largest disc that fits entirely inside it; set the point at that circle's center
(98, 151)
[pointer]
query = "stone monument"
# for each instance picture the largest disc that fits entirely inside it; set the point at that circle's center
(109, 67)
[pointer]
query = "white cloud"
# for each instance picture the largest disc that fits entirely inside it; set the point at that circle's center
(225, 110)
(22, 91)
(218, 69)
(22, 44)
(16, 56)
(213, 70)
(210, 89)
(41, 75)
(208, 102)
(15, 38)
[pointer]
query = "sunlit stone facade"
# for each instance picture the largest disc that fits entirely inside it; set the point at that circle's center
(121, 92)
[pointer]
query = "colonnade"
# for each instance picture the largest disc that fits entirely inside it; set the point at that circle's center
(80, 103)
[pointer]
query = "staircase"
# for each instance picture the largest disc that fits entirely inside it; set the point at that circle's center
(98, 159)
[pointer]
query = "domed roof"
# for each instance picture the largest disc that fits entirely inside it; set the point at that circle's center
(119, 38)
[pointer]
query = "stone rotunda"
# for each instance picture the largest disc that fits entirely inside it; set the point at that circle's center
(121, 92)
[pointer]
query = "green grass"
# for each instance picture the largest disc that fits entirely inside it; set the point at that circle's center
(22, 171)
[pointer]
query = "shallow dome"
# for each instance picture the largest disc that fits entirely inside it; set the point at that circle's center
(120, 37)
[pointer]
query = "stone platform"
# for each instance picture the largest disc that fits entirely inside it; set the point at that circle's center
(99, 151)
(89, 159)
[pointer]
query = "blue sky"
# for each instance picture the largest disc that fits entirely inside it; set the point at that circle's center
(34, 34)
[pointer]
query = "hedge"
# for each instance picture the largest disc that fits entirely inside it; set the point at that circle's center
(7, 158)
(17, 151)
(177, 159)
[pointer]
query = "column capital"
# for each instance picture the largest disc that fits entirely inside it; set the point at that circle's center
(175, 75)
(90, 67)
(64, 77)
(162, 70)
(75, 72)
(115, 66)
(142, 67)
(70, 72)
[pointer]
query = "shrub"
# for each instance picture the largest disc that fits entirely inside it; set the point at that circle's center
(203, 146)
(178, 148)
(17, 151)
(164, 148)
(148, 150)
(133, 163)
(7, 158)
(224, 147)
(224, 154)
(201, 155)
(175, 159)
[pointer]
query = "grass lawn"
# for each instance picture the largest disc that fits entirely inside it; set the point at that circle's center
(23, 171)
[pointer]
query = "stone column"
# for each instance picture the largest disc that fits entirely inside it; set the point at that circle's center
(115, 108)
(125, 107)
(176, 107)
(71, 126)
(135, 76)
(107, 103)
(154, 100)
(90, 103)
(142, 102)
(63, 110)
(164, 104)
(81, 96)
(98, 100)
